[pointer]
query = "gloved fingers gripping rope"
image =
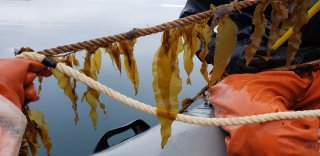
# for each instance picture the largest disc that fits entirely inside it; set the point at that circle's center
(152, 110)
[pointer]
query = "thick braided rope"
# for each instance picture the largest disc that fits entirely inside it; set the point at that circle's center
(180, 117)
(138, 32)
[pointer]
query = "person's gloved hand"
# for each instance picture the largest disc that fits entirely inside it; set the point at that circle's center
(16, 76)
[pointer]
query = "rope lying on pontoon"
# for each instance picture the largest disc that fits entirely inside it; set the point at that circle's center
(152, 110)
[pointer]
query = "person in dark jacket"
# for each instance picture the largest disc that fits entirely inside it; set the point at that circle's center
(248, 91)
(309, 49)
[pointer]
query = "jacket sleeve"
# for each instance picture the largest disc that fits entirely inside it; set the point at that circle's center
(197, 6)
(12, 127)
(308, 51)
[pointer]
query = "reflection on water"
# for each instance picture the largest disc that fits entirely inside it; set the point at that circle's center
(43, 24)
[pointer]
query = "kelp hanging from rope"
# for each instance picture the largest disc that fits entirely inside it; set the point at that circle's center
(126, 49)
(67, 84)
(279, 13)
(36, 129)
(91, 68)
(185, 41)
(259, 22)
(285, 14)
(299, 17)
(224, 45)
(167, 83)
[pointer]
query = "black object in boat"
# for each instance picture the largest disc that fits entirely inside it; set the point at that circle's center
(138, 126)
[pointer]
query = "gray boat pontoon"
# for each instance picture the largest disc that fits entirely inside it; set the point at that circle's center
(186, 140)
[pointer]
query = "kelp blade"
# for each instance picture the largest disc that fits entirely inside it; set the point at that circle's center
(92, 98)
(64, 82)
(260, 23)
(91, 68)
(42, 129)
(190, 46)
(167, 84)
(279, 13)
(36, 129)
(204, 32)
(40, 79)
(311, 12)
(114, 53)
(225, 43)
(126, 48)
(300, 17)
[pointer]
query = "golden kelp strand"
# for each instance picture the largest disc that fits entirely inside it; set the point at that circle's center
(259, 23)
(114, 53)
(42, 129)
(311, 12)
(36, 129)
(96, 63)
(279, 13)
(167, 84)
(68, 84)
(65, 83)
(126, 49)
(24, 147)
(190, 46)
(204, 33)
(301, 18)
(92, 98)
(219, 14)
(225, 43)
(40, 79)
(91, 68)
(103, 108)
(29, 142)
(288, 22)
(71, 60)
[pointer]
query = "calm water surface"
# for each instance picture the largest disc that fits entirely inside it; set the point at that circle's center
(49, 23)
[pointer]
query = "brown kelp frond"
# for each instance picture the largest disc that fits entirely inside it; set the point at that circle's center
(300, 18)
(167, 83)
(225, 43)
(91, 68)
(36, 129)
(204, 33)
(114, 53)
(68, 84)
(259, 23)
(278, 14)
(190, 46)
(126, 49)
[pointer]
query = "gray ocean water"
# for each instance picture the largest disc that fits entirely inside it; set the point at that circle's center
(43, 24)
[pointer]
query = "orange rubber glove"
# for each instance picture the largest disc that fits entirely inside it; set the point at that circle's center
(267, 92)
(16, 76)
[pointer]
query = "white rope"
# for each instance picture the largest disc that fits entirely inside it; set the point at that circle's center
(180, 117)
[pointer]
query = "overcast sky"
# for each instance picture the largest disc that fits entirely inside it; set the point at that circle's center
(56, 12)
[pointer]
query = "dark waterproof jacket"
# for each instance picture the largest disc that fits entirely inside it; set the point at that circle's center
(309, 49)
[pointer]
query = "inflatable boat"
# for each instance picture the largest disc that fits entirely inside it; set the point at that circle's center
(186, 139)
